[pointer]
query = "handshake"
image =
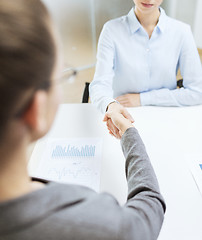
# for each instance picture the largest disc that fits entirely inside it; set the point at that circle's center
(118, 119)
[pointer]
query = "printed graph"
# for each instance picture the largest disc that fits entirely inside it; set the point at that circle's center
(73, 151)
(70, 173)
(195, 166)
(74, 161)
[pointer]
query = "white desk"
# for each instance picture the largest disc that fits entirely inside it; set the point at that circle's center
(170, 135)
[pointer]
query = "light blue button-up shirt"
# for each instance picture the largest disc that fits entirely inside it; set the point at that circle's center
(128, 61)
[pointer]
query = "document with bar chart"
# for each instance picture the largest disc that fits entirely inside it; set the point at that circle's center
(74, 161)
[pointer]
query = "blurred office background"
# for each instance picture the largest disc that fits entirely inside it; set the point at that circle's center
(80, 22)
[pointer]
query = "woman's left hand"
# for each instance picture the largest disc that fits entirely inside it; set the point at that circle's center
(129, 100)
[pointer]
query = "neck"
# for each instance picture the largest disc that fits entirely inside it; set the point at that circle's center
(14, 178)
(148, 20)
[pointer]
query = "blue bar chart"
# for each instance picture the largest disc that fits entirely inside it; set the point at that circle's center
(73, 152)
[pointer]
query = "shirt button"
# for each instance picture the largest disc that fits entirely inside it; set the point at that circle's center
(148, 49)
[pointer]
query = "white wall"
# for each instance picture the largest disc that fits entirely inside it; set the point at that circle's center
(183, 10)
(170, 7)
(198, 24)
(74, 23)
(79, 23)
(188, 11)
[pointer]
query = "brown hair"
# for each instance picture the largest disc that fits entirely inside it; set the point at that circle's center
(27, 55)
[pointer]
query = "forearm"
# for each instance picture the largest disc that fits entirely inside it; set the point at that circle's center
(172, 98)
(100, 96)
(145, 206)
(139, 171)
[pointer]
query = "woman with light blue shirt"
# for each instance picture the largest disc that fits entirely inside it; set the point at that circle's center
(138, 59)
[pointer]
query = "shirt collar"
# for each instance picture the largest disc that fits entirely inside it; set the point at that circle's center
(135, 24)
(133, 21)
(162, 20)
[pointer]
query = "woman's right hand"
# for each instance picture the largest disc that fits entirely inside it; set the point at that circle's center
(118, 119)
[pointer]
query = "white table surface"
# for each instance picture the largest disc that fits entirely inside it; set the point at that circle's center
(171, 135)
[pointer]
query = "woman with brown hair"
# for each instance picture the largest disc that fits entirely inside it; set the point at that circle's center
(29, 71)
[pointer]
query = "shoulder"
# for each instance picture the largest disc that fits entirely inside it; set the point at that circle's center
(78, 193)
(67, 192)
(116, 21)
(116, 25)
(178, 27)
(177, 32)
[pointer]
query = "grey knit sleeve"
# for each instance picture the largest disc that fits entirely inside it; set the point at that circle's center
(144, 211)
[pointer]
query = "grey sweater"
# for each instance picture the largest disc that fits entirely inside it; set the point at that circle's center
(62, 211)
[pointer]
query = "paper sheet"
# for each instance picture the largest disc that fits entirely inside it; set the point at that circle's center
(195, 166)
(75, 160)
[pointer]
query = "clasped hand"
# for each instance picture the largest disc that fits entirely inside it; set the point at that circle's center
(118, 119)
(129, 100)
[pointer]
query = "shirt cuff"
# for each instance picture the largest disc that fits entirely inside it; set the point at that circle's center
(105, 104)
(145, 98)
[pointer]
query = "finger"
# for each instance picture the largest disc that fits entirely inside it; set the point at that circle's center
(118, 136)
(123, 102)
(127, 115)
(113, 130)
(105, 119)
(125, 105)
(112, 127)
(112, 134)
(110, 130)
(118, 98)
(121, 99)
(120, 133)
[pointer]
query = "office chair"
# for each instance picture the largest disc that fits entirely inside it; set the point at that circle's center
(180, 83)
(85, 97)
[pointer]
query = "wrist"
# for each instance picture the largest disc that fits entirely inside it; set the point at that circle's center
(110, 105)
(126, 127)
